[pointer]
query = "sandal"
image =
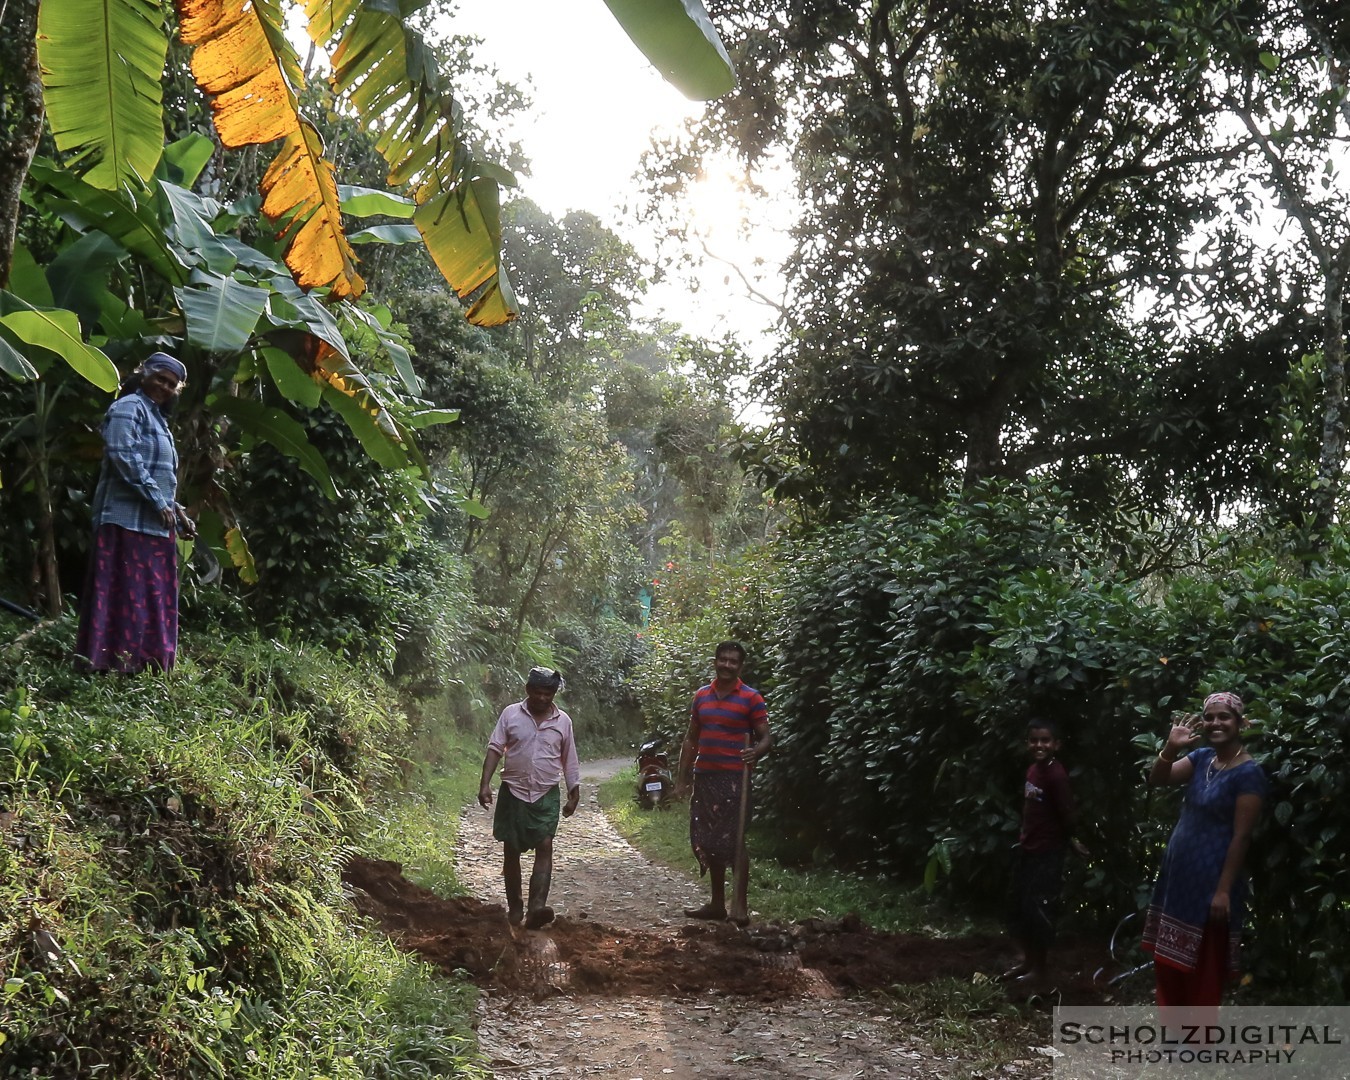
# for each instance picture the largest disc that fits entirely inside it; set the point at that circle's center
(707, 911)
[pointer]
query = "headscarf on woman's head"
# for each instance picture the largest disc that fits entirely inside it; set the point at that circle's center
(162, 361)
(544, 679)
(1229, 700)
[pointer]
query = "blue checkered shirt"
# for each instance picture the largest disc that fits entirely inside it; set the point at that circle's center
(139, 477)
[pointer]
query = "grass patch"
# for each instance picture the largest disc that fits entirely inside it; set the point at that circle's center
(170, 901)
(417, 823)
(661, 835)
(972, 1020)
(779, 892)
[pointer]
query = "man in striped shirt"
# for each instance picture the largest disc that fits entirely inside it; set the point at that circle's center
(728, 732)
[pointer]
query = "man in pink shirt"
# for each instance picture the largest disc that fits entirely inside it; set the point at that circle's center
(533, 740)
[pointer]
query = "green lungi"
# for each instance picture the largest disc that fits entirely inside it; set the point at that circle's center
(522, 825)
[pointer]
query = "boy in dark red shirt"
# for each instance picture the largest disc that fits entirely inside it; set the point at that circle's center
(1038, 870)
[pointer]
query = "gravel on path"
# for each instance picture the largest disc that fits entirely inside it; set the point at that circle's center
(598, 875)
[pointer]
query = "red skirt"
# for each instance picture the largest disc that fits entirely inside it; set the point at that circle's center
(129, 613)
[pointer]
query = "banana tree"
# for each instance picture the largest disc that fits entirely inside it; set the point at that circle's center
(102, 62)
(162, 268)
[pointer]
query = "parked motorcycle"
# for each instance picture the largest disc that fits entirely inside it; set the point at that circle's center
(655, 783)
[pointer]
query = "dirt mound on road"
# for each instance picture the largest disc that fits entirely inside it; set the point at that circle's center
(762, 962)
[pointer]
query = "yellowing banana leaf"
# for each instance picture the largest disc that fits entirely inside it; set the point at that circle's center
(245, 66)
(299, 186)
(679, 39)
(101, 66)
(248, 70)
(462, 229)
(241, 556)
(387, 72)
(59, 332)
(275, 427)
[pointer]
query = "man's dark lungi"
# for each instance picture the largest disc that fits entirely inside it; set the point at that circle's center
(714, 813)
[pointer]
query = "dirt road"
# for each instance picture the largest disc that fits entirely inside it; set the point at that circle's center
(621, 985)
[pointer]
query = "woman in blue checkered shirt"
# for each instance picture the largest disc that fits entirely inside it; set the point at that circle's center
(129, 611)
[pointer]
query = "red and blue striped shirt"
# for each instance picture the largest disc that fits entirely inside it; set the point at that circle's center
(723, 722)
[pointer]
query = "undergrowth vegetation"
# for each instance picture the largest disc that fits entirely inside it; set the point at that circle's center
(970, 1018)
(778, 890)
(905, 649)
(170, 894)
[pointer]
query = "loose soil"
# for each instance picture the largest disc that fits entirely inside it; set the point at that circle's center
(622, 985)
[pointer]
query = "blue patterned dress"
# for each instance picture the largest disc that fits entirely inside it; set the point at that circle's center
(1194, 860)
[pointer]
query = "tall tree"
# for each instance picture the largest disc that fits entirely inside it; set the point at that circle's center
(986, 194)
(577, 281)
(1289, 87)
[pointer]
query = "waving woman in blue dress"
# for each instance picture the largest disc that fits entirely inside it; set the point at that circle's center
(1195, 919)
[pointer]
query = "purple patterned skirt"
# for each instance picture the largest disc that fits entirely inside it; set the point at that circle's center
(129, 614)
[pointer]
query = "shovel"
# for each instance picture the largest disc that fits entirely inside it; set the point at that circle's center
(15, 609)
(739, 910)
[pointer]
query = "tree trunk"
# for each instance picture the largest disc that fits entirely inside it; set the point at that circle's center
(21, 115)
(548, 544)
(38, 451)
(51, 574)
(1331, 462)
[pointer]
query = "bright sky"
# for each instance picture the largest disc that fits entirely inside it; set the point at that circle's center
(597, 101)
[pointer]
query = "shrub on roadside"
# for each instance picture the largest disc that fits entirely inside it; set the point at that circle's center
(917, 644)
(742, 603)
(170, 904)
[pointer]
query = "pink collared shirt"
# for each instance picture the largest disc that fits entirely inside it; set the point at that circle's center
(535, 753)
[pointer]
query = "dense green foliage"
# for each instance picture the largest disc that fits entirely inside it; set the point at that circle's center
(695, 607)
(1035, 239)
(170, 903)
(916, 645)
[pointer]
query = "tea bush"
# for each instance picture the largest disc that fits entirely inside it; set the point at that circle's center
(917, 644)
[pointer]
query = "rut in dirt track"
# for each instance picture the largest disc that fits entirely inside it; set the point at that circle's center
(644, 946)
(623, 987)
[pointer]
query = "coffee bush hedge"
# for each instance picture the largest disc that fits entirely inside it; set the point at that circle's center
(913, 646)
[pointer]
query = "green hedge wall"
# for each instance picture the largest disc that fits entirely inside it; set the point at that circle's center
(913, 646)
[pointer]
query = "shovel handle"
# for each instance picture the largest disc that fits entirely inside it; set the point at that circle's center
(740, 870)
